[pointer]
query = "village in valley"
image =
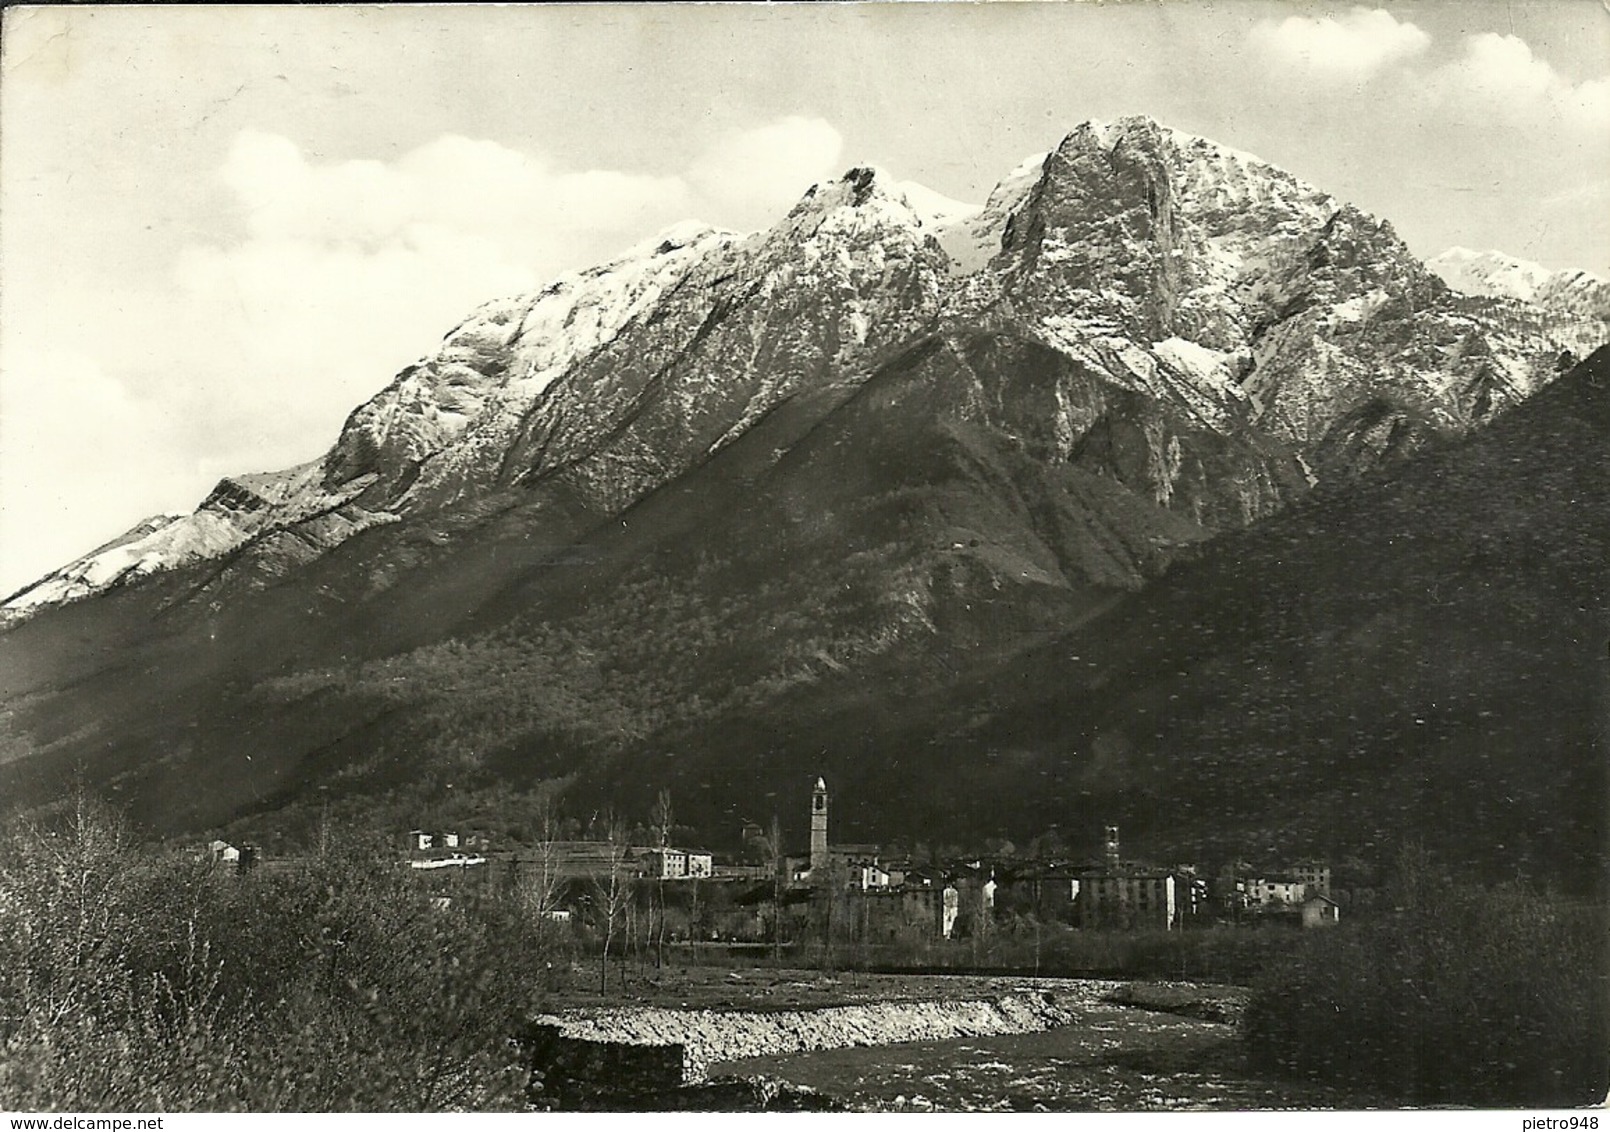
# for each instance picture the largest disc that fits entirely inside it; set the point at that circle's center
(605, 881)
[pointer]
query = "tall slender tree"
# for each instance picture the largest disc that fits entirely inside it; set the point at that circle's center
(771, 845)
(663, 820)
(612, 890)
(539, 881)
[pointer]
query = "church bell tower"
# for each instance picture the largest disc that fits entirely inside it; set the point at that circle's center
(1109, 849)
(819, 826)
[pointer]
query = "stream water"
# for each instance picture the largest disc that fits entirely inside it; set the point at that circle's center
(1112, 1059)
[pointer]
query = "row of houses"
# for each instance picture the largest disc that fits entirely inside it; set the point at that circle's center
(566, 859)
(838, 887)
(1117, 893)
(1110, 893)
(1135, 896)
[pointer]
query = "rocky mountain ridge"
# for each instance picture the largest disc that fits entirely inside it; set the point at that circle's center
(1200, 327)
(1505, 276)
(1570, 306)
(1161, 487)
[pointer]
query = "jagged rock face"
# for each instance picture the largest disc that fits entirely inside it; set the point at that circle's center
(1234, 334)
(1077, 411)
(846, 275)
(1201, 328)
(1138, 231)
(620, 378)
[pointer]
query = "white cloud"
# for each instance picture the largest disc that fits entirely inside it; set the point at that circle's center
(1499, 77)
(350, 270)
(299, 330)
(453, 184)
(1493, 80)
(78, 453)
(1346, 48)
(483, 186)
(342, 273)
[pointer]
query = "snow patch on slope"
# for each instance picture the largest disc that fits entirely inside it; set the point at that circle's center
(1497, 275)
(1199, 362)
(238, 509)
(935, 208)
(1198, 276)
(1490, 273)
(973, 239)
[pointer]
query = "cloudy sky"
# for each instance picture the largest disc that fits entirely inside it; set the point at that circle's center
(222, 228)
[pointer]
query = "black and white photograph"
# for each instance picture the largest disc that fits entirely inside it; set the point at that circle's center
(834, 558)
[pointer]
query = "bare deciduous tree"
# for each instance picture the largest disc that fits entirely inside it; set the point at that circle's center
(612, 890)
(539, 882)
(662, 819)
(772, 845)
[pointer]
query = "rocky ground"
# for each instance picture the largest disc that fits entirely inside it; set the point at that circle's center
(709, 987)
(718, 1036)
(1108, 1058)
(953, 1043)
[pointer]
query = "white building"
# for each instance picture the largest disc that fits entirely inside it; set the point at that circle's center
(678, 864)
(1264, 892)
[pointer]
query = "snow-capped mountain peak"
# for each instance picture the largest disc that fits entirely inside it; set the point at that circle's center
(1183, 299)
(1575, 303)
(936, 209)
(1505, 276)
(1490, 273)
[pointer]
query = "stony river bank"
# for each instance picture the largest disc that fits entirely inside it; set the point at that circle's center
(1033, 1044)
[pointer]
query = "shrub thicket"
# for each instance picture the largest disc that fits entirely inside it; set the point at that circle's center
(1463, 995)
(140, 981)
